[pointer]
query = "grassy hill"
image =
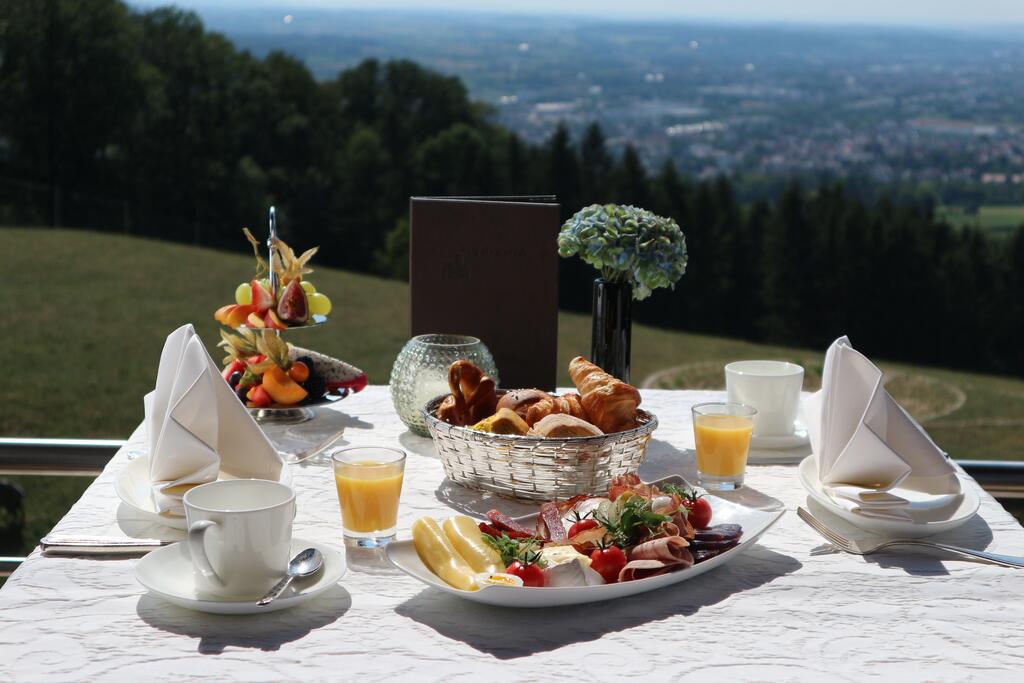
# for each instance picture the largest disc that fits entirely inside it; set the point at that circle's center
(87, 314)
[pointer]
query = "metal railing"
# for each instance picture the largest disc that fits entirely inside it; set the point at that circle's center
(56, 457)
(87, 458)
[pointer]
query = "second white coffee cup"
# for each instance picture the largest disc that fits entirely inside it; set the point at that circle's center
(772, 387)
(239, 535)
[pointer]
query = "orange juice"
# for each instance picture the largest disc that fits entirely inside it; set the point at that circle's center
(368, 492)
(722, 443)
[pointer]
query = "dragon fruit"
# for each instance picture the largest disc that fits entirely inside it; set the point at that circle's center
(336, 374)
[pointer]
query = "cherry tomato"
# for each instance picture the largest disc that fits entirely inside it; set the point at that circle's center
(608, 562)
(698, 512)
(582, 525)
(531, 574)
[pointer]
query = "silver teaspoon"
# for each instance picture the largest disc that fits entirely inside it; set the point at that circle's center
(306, 563)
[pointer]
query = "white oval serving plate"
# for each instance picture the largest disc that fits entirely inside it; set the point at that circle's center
(926, 518)
(134, 489)
(754, 522)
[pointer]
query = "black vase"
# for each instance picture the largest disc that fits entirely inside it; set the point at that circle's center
(613, 327)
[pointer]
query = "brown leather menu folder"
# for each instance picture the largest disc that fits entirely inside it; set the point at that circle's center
(488, 267)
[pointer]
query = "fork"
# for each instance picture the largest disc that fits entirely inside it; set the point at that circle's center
(304, 455)
(855, 547)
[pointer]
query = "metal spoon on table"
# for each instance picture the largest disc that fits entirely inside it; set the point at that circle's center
(306, 563)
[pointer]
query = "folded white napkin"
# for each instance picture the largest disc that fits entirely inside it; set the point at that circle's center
(866, 444)
(196, 427)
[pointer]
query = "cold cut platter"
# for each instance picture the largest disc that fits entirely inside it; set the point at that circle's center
(638, 538)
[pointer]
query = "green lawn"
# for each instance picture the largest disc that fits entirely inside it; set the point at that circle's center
(999, 218)
(87, 314)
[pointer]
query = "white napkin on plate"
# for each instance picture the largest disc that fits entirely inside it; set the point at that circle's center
(196, 427)
(872, 457)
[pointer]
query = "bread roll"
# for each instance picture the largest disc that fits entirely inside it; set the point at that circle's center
(560, 426)
(569, 404)
(520, 400)
(504, 421)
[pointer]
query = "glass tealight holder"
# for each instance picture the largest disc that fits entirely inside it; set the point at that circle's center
(420, 372)
(369, 482)
(722, 432)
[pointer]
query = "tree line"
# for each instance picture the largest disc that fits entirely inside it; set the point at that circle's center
(144, 121)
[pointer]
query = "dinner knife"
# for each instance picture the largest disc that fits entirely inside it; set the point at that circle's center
(71, 545)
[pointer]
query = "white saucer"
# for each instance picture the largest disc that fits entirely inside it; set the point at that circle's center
(135, 490)
(929, 514)
(798, 438)
(167, 574)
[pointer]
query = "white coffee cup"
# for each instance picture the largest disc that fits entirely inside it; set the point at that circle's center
(239, 535)
(772, 387)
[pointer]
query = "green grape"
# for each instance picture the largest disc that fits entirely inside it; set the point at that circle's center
(243, 294)
(266, 283)
(308, 287)
(319, 304)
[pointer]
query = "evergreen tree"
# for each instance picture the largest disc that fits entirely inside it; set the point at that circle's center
(631, 186)
(596, 167)
(563, 170)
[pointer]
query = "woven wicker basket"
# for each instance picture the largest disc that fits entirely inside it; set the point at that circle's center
(531, 468)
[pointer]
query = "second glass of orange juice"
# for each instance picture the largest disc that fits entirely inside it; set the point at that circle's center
(722, 432)
(369, 481)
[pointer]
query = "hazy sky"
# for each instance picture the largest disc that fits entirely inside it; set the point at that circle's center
(887, 12)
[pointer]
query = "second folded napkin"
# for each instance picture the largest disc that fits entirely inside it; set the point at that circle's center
(866, 445)
(197, 428)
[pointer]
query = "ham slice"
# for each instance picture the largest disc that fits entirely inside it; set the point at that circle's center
(642, 569)
(670, 550)
(653, 558)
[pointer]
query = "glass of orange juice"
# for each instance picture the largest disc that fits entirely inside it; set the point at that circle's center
(722, 432)
(369, 481)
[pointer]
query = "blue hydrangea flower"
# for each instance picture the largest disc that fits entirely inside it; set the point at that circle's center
(627, 244)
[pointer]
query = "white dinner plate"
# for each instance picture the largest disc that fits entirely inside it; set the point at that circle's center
(135, 490)
(167, 574)
(754, 522)
(927, 516)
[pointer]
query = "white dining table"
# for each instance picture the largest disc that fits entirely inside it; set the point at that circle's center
(788, 609)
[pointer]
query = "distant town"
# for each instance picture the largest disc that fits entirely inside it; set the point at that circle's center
(925, 110)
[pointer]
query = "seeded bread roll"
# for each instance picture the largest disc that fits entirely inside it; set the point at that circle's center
(520, 400)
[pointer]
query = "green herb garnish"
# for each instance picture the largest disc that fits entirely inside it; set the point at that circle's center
(631, 520)
(512, 549)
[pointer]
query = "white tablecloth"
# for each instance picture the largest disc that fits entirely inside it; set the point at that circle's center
(777, 613)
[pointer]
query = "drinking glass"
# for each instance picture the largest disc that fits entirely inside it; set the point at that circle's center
(722, 432)
(369, 481)
(420, 372)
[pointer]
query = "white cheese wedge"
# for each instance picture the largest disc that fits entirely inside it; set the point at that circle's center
(571, 573)
(561, 554)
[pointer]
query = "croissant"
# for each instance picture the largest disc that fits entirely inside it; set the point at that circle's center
(472, 398)
(559, 426)
(556, 405)
(610, 403)
(521, 400)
